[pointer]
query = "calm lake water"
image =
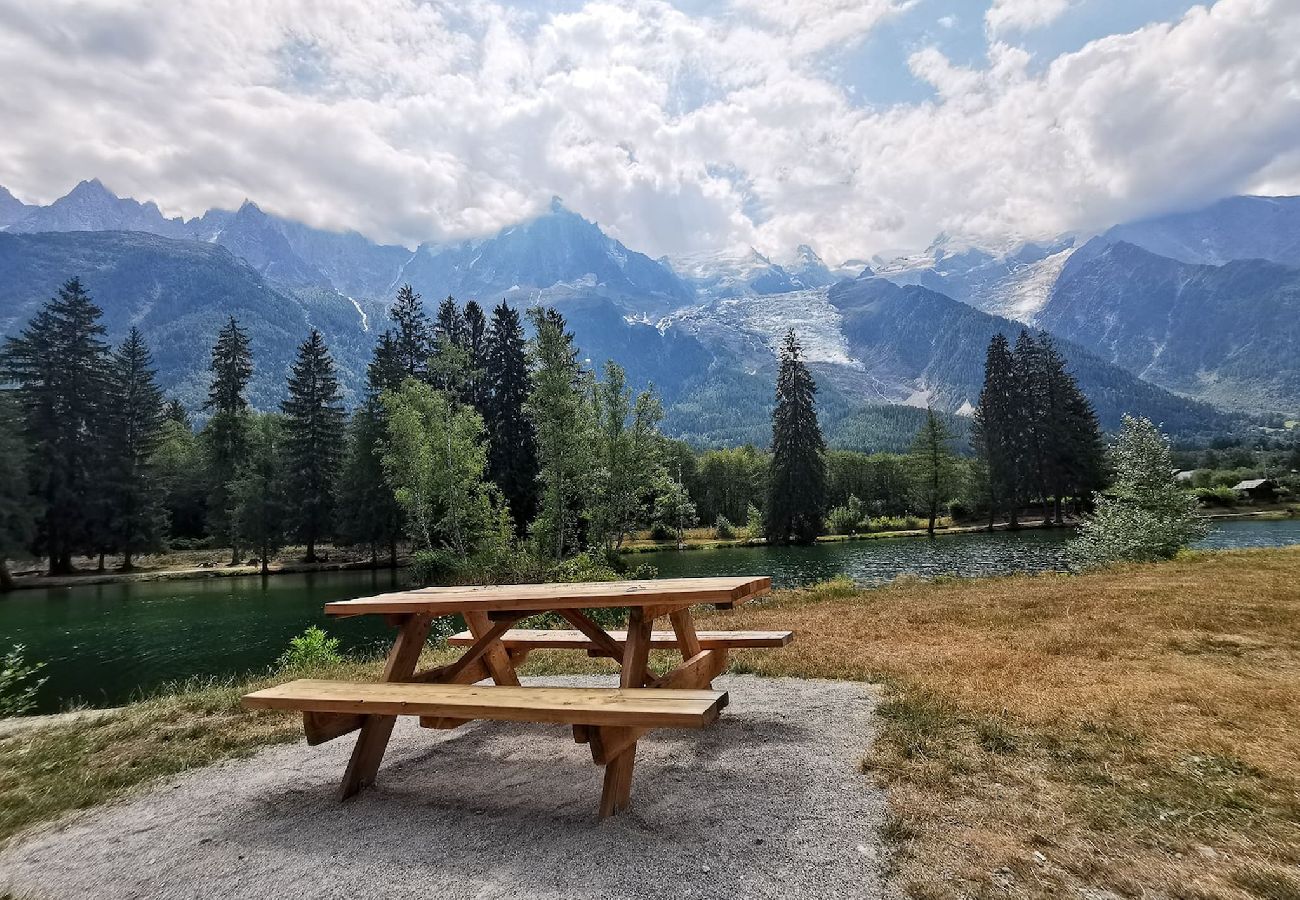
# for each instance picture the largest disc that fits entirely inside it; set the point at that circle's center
(104, 644)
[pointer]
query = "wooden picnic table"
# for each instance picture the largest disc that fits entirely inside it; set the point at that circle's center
(609, 720)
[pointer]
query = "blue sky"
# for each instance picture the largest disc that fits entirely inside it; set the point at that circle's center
(860, 127)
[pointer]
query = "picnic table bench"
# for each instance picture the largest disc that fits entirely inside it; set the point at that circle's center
(610, 720)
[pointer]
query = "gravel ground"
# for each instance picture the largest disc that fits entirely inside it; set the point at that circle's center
(768, 802)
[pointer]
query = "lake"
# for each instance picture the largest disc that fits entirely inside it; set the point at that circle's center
(104, 644)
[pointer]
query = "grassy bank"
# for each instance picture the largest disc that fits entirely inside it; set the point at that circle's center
(1131, 731)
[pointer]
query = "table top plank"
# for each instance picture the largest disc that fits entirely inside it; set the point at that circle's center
(439, 601)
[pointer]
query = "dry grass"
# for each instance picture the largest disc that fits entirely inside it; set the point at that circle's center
(1133, 730)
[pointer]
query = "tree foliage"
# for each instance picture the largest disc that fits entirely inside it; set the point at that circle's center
(260, 505)
(137, 517)
(512, 439)
(313, 440)
(797, 481)
(933, 468)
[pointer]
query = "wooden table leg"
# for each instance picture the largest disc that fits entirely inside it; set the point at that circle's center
(636, 651)
(375, 732)
(496, 658)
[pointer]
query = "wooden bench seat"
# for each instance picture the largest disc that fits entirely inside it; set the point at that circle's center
(609, 719)
(562, 639)
(632, 707)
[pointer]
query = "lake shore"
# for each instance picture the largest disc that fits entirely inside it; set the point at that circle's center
(162, 571)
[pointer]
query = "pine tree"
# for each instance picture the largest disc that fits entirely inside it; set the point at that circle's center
(413, 342)
(313, 440)
(450, 326)
(512, 443)
(797, 484)
(60, 364)
(999, 428)
(475, 350)
(1034, 409)
(225, 437)
(137, 519)
(260, 509)
(176, 412)
(385, 371)
(933, 467)
(560, 411)
(17, 506)
(368, 511)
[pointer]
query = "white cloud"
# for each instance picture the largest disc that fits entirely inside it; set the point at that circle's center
(413, 121)
(1022, 15)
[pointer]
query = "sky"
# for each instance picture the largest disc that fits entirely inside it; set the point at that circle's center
(859, 127)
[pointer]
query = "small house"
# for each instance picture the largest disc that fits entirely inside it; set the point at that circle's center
(1257, 489)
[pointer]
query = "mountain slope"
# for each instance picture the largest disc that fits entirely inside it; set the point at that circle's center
(92, 207)
(1226, 334)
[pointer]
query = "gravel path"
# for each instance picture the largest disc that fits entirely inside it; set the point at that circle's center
(768, 802)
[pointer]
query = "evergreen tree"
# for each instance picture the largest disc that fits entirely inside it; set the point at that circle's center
(137, 519)
(17, 508)
(560, 410)
(933, 467)
(225, 438)
(476, 351)
(178, 457)
(797, 481)
(385, 371)
(313, 439)
(450, 326)
(176, 412)
(412, 345)
(512, 444)
(60, 365)
(368, 511)
(260, 509)
(1034, 413)
(999, 429)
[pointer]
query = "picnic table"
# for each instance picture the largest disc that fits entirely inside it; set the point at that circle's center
(610, 720)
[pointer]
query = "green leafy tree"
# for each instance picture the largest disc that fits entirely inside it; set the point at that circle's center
(933, 466)
(674, 509)
(260, 504)
(369, 514)
(17, 506)
(435, 460)
(729, 481)
(137, 514)
(1145, 515)
(512, 439)
(176, 412)
(560, 410)
(176, 460)
(314, 442)
(797, 480)
(225, 437)
(60, 365)
(628, 467)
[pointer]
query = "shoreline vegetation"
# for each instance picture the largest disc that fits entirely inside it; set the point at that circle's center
(1130, 730)
(182, 566)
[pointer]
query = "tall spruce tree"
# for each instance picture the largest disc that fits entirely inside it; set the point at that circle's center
(259, 506)
(450, 326)
(412, 343)
(796, 496)
(313, 440)
(933, 467)
(176, 412)
(560, 410)
(17, 506)
(998, 429)
(512, 440)
(137, 518)
(1034, 407)
(225, 438)
(60, 364)
(475, 351)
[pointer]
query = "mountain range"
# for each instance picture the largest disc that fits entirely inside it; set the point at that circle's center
(1131, 308)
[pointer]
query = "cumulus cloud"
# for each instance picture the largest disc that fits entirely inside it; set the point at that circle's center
(415, 121)
(1022, 15)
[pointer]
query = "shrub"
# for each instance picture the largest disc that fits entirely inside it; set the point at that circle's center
(434, 567)
(17, 689)
(753, 521)
(661, 532)
(841, 520)
(1216, 496)
(312, 649)
(723, 530)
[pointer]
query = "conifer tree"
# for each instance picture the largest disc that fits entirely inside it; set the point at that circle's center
(998, 428)
(368, 511)
(60, 365)
(933, 466)
(475, 351)
(1034, 413)
(225, 437)
(560, 411)
(797, 482)
(512, 445)
(385, 371)
(450, 326)
(176, 412)
(17, 507)
(137, 519)
(260, 509)
(412, 344)
(313, 439)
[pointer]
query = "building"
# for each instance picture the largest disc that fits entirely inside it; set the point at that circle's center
(1259, 489)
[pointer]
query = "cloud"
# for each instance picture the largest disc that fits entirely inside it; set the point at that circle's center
(1023, 15)
(415, 121)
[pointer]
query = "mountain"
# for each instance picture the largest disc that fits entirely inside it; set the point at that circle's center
(554, 255)
(179, 293)
(92, 207)
(11, 208)
(259, 240)
(740, 273)
(1226, 334)
(1232, 229)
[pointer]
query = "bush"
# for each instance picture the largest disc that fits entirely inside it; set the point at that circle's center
(17, 689)
(753, 522)
(1216, 496)
(661, 532)
(958, 510)
(434, 567)
(841, 520)
(313, 649)
(723, 530)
